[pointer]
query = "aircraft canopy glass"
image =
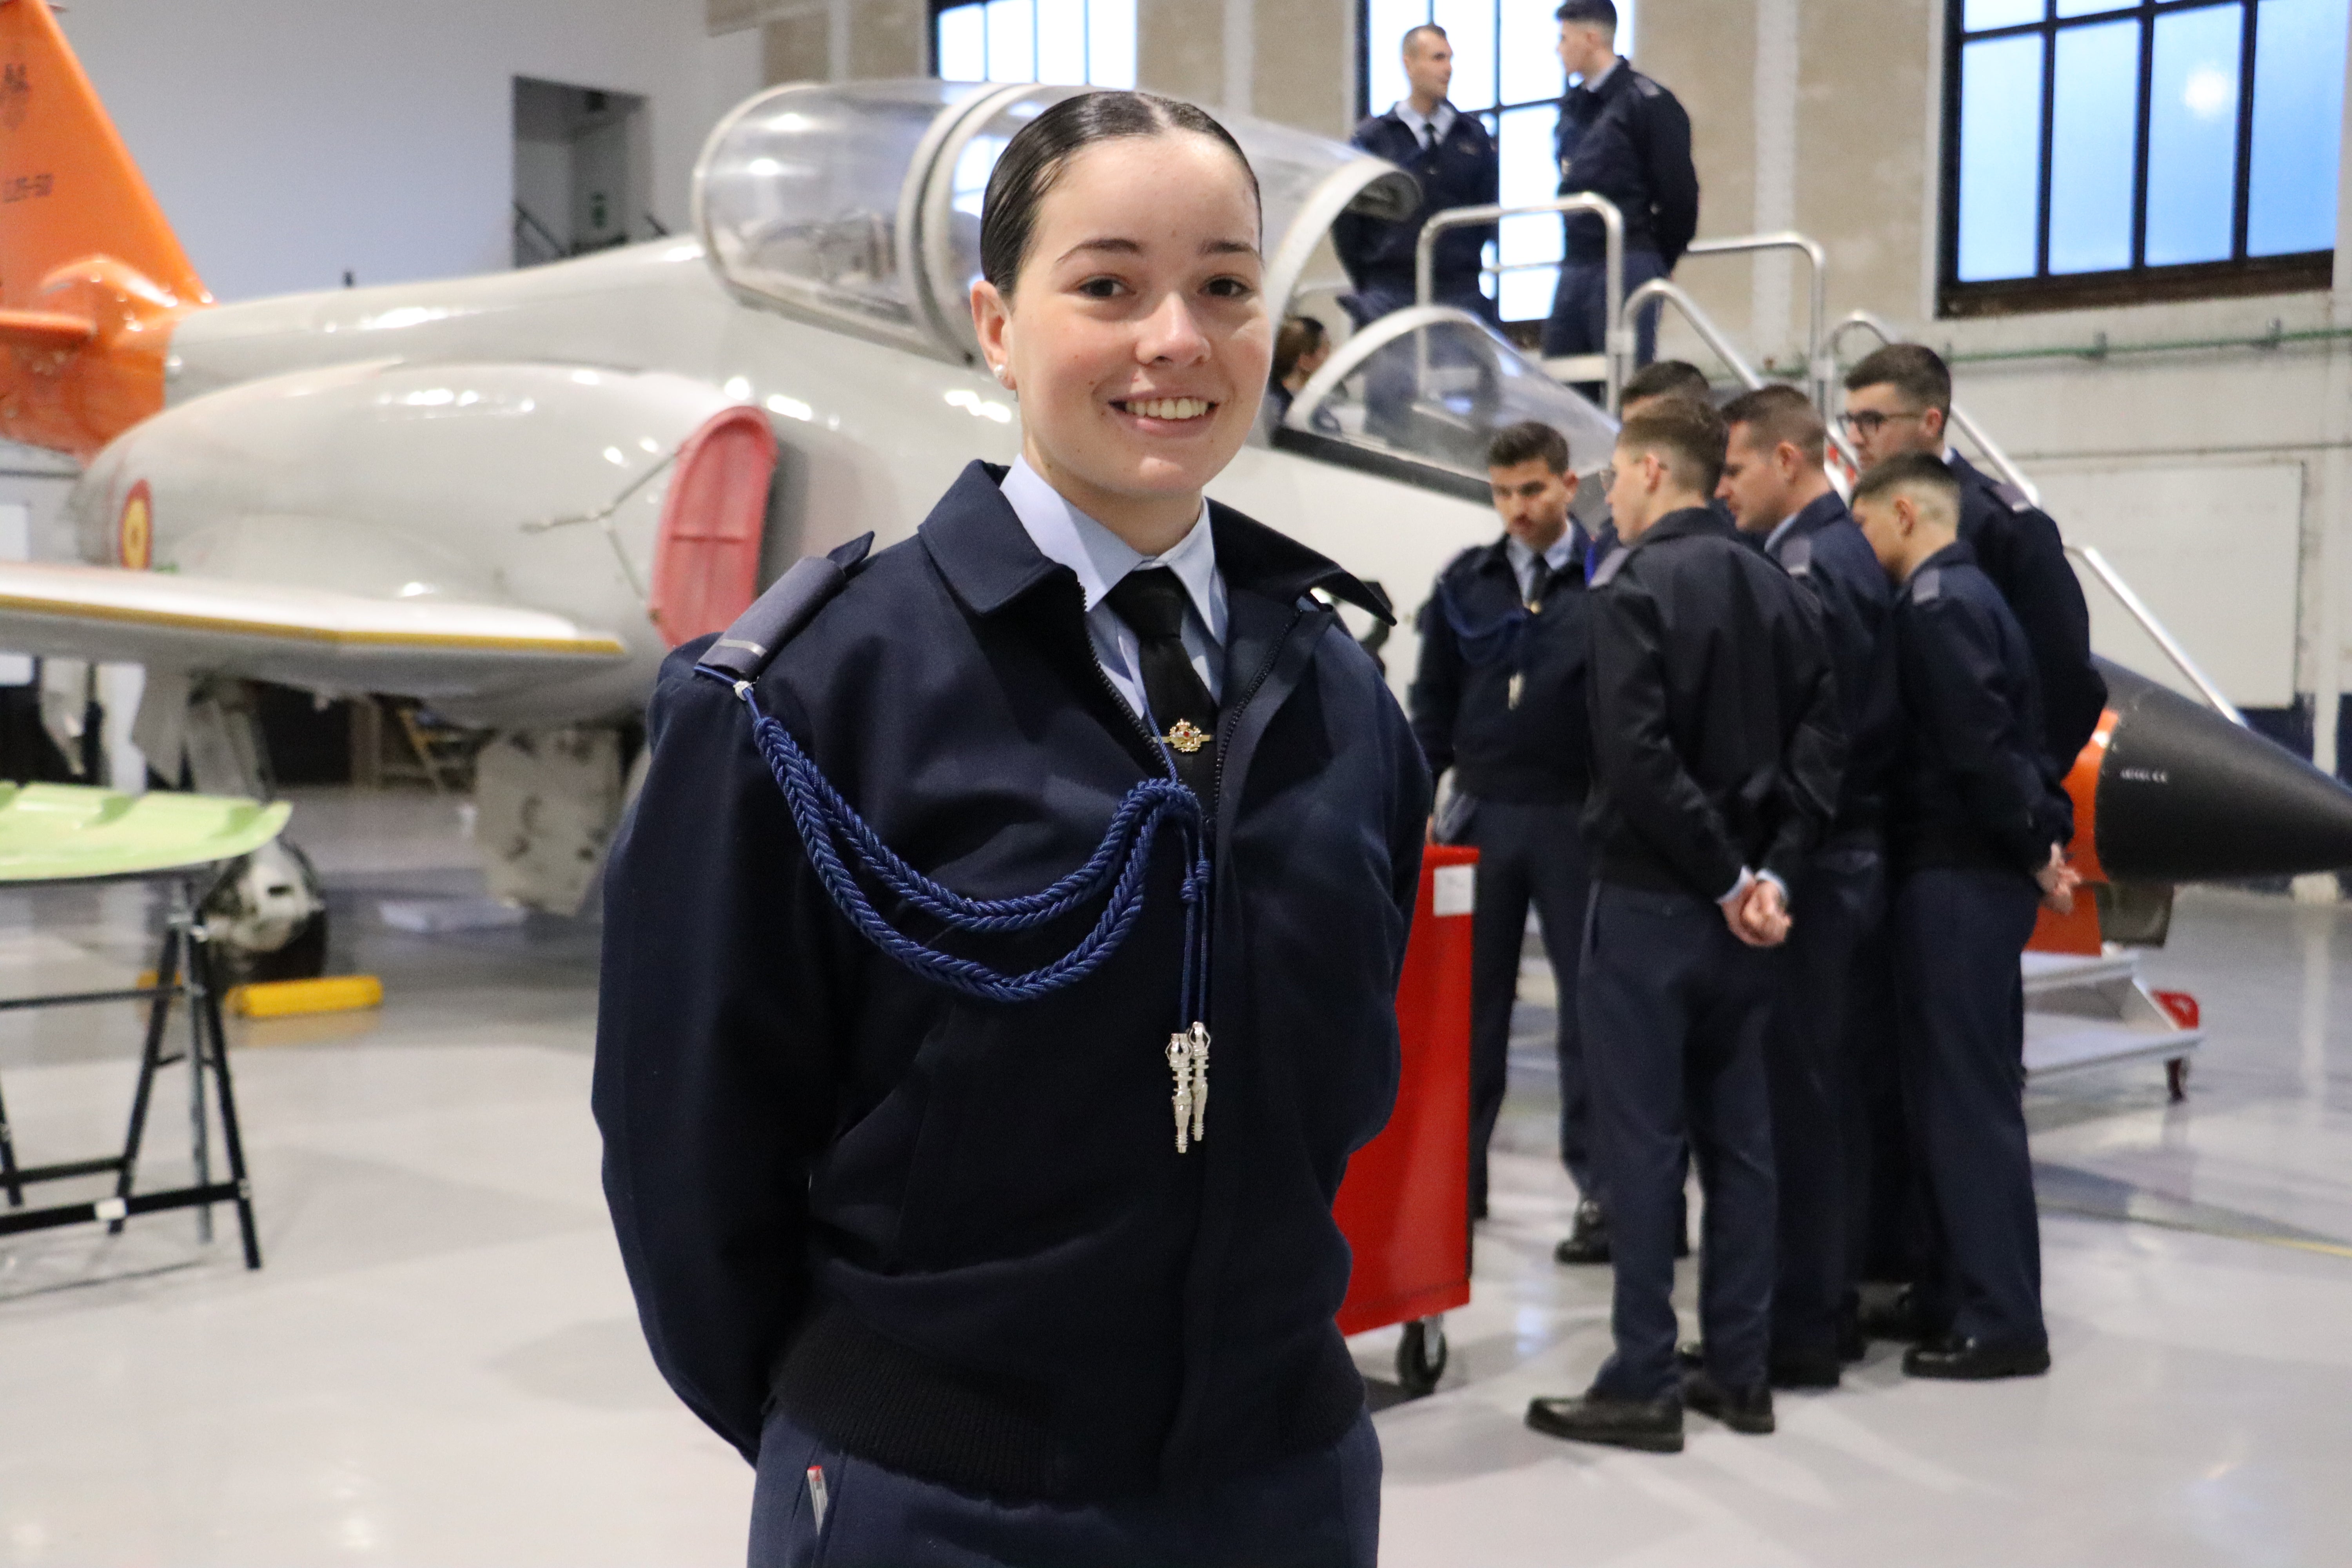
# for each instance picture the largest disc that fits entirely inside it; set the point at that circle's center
(800, 196)
(849, 199)
(1432, 387)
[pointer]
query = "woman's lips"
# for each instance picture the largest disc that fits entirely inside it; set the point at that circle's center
(1172, 410)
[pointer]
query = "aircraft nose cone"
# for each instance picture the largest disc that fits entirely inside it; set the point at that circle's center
(2184, 796)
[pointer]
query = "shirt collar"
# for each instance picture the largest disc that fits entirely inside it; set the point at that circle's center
(1772, 539)
(1439, 121)
(1594, 83)
(1564, 549)
(1101, 558)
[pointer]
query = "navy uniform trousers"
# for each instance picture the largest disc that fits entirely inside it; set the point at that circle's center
(1578, 324)
(1837, 900)
(1318, 1510)
(1957, 936)
(1526, 854)
(1674, 1010)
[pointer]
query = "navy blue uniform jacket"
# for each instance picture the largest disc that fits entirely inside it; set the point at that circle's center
(1461, 171)
(954, 1237)
(1475, 637)
(2018, 546)
(1976, 789)
(1717, 743)
(1826, 552)
(1630, 142)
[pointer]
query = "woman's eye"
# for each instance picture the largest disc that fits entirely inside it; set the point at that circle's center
(1230, 287)
(1099, 288)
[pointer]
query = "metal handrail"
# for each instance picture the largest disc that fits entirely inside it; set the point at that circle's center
(1671, 293)
(2109, 578)
(1619, 353)
(1819, 370)
(1959, 416)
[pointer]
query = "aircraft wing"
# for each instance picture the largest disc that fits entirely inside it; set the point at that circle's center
(307, 638)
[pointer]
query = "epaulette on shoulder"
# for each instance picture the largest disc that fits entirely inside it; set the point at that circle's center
(2011, 497)
(1797, 556)
(1927, 586)
(744, 650)
(1645, 87)
(1611, 564)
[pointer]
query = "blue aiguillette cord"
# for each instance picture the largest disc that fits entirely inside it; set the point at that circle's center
(828, 825)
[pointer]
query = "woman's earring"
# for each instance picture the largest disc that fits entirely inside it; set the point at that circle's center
(1004, 375)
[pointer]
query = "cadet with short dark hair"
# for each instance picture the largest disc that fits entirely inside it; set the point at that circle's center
(1899, 399)
(1716, 749)
(1499, 701)
(1979, 838)
(1622, 136)
(1782, 498)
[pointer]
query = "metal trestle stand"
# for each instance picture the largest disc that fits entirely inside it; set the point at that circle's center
(186, 969)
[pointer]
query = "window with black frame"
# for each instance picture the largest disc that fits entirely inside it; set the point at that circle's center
(2108, 151)
(1507, 72)
(1075, 43)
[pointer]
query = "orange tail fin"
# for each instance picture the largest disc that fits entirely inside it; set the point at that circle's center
(91, 278)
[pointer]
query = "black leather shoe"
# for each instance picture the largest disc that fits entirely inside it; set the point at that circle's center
(1748, 1411)
(1589, 1242)
(1651, 1425)
(1854, 1345)
(1899, 1317)
(1973, 1360)
(1691, 1355)
(1805, 1369)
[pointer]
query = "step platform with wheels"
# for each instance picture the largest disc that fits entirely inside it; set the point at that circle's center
(2092, 1010)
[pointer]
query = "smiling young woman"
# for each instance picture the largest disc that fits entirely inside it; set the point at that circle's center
(911, 1161)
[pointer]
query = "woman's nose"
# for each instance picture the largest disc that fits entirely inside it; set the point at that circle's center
(1171, 333)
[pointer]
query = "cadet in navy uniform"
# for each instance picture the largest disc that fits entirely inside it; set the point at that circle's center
(1622, 136)
(1499, 700)
(1453, 159)
(935, 1208)
(1716, 749)
(1779, 493)
(1980, 830)
(1899, 399)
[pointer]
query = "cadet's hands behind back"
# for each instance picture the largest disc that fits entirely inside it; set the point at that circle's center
(2058, 882)
(1759, 914)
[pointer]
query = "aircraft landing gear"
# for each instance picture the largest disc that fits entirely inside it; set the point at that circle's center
(269, 917)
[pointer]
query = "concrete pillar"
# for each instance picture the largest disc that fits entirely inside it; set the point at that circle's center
(1772, 335)
(797, 46)
(1704, 50)
(888, 37)
(1303, 65)
(1863, 177)
(1180, 49)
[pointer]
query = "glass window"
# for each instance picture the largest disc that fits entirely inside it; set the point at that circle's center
(2093, 148)
(2000, 172)
(2298, 94)
(2102, 147)
(1506, 71)
(1073, 43)
(2192, 135)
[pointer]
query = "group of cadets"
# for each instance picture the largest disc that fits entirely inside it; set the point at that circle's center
(1783, 782)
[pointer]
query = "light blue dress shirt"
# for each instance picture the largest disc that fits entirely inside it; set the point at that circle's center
(1431, 127)
(1101, 558)
(1564, 549)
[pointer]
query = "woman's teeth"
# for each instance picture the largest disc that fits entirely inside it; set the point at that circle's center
(1169, 409)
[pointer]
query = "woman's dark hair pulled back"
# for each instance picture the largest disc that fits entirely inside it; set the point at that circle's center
(1039, 151)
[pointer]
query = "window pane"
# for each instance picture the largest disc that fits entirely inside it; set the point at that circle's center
(1111, 43)
(2298, 116)
(1627, 10)
(2001, 140)
(1062, 41)
(1470, 27)
(1012, 40)
(963, 45)
(1385, 22)
(2093, 134)
(1530, 63)
(1983, 14)
(2192, 136)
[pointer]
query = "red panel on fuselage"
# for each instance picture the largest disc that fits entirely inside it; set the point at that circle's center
(707, 555)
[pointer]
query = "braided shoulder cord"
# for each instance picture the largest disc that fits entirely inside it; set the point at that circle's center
(828, 824)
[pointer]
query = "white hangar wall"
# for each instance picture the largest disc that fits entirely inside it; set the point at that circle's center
(292, 141)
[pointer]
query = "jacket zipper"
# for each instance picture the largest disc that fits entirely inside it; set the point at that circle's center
(1233, 716)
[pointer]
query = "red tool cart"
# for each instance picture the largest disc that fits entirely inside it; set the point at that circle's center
(1405, 1206)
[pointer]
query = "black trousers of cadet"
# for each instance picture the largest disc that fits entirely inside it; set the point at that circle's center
(1674, 1010)
(1316, 1510)
(1526, 854)
(1957, 936)
(1837, 899)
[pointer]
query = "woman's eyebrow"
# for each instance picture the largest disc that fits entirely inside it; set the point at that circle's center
(1115, 246)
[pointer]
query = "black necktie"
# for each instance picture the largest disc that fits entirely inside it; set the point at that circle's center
(1152, 603)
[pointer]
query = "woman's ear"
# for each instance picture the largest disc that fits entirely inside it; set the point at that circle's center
(992, 322)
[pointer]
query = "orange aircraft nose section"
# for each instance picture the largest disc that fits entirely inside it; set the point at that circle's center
(92, 277)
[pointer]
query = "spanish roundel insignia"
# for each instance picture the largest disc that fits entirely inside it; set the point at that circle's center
(136, 533)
